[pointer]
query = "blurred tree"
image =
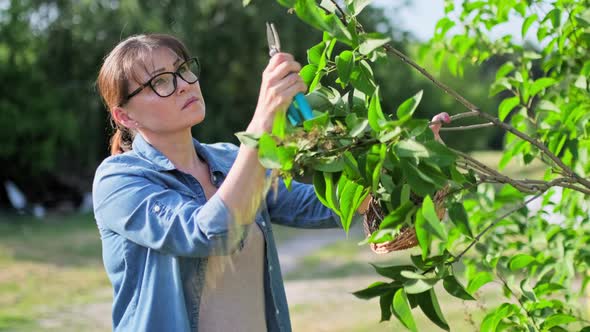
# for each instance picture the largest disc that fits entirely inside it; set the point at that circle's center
(53, 126)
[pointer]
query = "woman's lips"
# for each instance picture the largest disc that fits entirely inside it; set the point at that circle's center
(190, 101)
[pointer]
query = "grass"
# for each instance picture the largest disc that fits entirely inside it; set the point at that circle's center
(52, 278)
(320, 293)
(47, 268)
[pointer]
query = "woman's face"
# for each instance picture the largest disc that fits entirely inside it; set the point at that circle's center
(177, 112)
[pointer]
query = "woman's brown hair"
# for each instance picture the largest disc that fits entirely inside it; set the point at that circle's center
(120, 67)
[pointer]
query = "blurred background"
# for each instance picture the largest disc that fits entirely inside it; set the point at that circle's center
(54, 131)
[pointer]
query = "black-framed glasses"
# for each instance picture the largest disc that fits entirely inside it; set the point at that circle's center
(164, 84)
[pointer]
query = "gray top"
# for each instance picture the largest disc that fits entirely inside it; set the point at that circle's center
(233, 296)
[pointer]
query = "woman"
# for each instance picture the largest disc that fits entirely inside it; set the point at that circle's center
(186, 227)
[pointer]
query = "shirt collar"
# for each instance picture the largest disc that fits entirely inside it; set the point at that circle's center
(162, 163)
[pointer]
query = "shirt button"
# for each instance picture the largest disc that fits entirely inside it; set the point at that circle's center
(277, 311)
(270, 268)
(263, 223)
(157, 208)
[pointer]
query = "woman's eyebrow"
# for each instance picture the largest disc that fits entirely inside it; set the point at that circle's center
(159, 70)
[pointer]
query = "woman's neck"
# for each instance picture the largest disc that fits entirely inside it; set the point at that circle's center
(178, 148)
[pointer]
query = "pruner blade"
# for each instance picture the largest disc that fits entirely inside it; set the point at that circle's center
(272, 36)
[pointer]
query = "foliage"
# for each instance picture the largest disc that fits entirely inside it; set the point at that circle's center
(52, 119)
(354, 148)
(53, 124)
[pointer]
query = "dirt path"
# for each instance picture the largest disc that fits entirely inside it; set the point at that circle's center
(97, 316)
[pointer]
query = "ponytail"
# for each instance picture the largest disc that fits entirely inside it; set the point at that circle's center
(122, 140)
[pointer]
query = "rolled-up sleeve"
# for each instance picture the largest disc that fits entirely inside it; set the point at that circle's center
(160, 218)
(299, 207)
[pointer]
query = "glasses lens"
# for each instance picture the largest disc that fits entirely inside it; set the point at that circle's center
(189, 71)
(163, 84)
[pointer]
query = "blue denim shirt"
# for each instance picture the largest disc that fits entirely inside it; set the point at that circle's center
(157, 230)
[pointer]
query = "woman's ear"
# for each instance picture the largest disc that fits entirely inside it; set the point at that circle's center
(122, 116)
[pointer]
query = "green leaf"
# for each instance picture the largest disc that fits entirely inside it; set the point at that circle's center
(375, 289)
(351, 166)
(506, 106)
(393, 271)
(350, 200)
(520, 261)
(411, 149)
(504, 70)
(453, 287)
(402, 311)
(356, 6)
(329, 165)
(422, 234)
(308, 11)
(557, 319)
(527, 24)
(408, 107)
(385, 302)
(429, 305)
(387, 134)
(376, 117)
(331, 192)
(323, 185)
(287, 157)
(248, 139)
(499, 86)
(478, 280)
(540, 84)
(345, 65)
(417, 286)
(362, 78)
(459, 217)
(359, 127)
(308, 73)
(398, 216)
(317, 122)
(268, 152)
(372, 41)
(415, 275)
(442, 26)
(554, 16)
(546, 288)
(527, 291)
(416, 178)
(279, 124)
(441, 155)
(432, 221)
(314, 54)
(491, 321)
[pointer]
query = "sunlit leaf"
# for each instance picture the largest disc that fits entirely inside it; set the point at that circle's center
(402, 310)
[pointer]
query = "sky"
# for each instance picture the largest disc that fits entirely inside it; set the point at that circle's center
(421, 16)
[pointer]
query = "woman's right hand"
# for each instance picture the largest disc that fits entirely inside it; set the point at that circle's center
(280, 83)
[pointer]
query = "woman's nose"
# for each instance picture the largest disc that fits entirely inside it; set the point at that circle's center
(182, 85)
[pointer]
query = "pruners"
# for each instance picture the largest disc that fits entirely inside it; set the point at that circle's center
(299, 109)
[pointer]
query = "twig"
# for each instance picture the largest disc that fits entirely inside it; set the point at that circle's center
(476, 126)
(342, 14)
(463, 115)
(497, 220)
(519, 301)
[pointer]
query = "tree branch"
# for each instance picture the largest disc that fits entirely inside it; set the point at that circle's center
(342, 14)
(476, 126)
(476, 111)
